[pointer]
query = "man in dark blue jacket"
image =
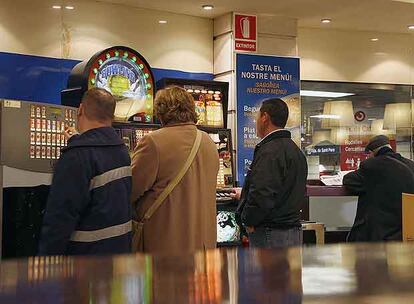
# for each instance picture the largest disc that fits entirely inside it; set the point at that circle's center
(88, 209)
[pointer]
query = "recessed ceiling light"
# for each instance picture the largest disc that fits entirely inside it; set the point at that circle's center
(374, 39)
(56, 7)
(326, 116)
(326, 21)
(162, 21)
(208, 7)
(70, 7)
(324, 94)
(411, 27)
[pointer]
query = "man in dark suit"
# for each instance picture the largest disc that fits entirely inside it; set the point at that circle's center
(380, 182)
(275, 185)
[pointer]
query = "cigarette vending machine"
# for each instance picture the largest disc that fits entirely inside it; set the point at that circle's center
(31, 142)
(211, 103)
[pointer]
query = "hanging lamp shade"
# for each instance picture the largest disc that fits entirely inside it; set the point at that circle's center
(339, 135)
(397, 115)
(320, 136)
(377, 128)
(338, 113)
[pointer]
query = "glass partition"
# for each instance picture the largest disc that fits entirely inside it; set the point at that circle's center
(338, 119)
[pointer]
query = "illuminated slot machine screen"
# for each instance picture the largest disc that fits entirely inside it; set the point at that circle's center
(132, 134)
(223, 142)
(124, 73)
(210, 98)
(228, 231)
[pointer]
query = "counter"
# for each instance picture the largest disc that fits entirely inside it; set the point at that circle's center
(334, 206)
(323, 274)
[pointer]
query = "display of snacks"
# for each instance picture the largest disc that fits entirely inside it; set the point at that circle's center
(208, 106)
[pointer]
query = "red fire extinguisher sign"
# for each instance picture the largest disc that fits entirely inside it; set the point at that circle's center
(245, 32)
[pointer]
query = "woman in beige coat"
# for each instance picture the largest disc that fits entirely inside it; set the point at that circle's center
(186, 220)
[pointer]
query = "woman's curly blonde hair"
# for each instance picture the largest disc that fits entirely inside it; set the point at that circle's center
(175, 105)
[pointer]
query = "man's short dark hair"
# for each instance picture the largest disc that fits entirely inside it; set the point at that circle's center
(278, 111)
(99, 105)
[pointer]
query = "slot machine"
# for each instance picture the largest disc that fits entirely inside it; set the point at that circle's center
(31, 143)
(126, 74)
(211, 103)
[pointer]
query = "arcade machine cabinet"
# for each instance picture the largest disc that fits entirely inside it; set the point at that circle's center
(128, 76)
(31, 143)
(211, 101)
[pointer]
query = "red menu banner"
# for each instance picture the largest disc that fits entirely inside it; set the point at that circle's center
(352, 154)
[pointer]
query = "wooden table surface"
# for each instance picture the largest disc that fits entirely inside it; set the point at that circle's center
(325, 274)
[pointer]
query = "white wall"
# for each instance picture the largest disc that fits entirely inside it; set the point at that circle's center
(335, 55)
(33, 27)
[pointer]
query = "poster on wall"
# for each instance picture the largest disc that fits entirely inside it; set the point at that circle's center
(260, 77)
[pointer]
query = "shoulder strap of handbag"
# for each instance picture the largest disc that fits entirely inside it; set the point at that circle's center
(170, 187)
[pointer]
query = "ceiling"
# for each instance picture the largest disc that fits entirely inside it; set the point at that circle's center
(363, 15)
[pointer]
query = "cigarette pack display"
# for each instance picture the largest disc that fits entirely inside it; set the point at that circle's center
(38, 112)
(38, 139)
(32, 111)
(32, 138)
(38, 124)
(32, 152)
(44, 129)
(43, 152)
(54, 126)
(49, 126)
(38, 155)
(43, 138)
(32, 124)
(57, 153)
(48, 152)
(62, 140)
(53, 152)
(54, 139)
(58, 126)
(49, 139)
(43, 112)
(57, 140)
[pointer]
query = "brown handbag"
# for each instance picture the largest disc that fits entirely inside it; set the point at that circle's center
(138, 226)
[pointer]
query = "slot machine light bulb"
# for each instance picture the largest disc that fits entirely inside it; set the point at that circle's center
(100, 61)
(148, 86)
(126, 55)
(146, 75)
(149, 96)
(108, 55)
(93, 81)
(141, 66)
(95, 70)
(134, 59)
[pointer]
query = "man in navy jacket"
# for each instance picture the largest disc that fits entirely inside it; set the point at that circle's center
(88, 209)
